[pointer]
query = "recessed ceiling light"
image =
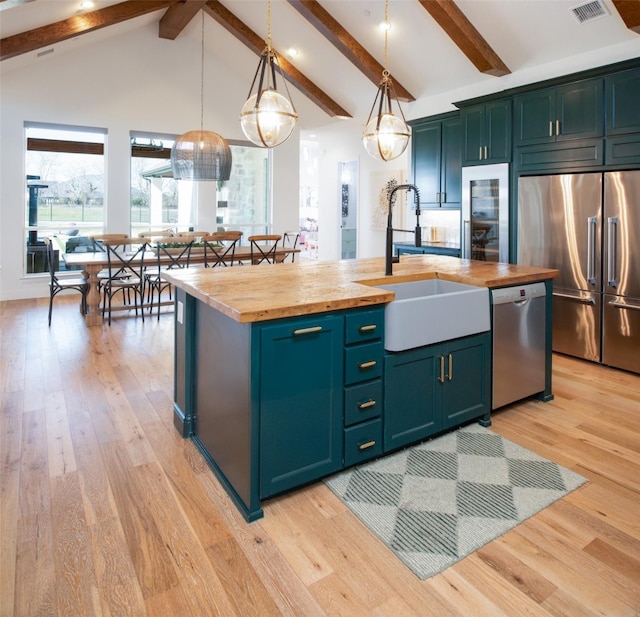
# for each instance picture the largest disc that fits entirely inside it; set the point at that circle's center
(385, 25)
(292, 52)
(86, 4)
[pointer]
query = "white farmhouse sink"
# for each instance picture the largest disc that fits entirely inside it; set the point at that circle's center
(433, 311)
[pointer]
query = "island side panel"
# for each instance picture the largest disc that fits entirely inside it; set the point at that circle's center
(224, 426)
(183, 366)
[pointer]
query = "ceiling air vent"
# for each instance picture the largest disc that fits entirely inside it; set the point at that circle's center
(589, 11)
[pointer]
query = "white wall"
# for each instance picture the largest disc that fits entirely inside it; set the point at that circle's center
(141, 83)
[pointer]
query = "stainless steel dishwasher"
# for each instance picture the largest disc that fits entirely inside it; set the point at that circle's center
(518, 342)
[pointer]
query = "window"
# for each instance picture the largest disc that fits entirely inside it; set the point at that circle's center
(64, 190)
(159, 202)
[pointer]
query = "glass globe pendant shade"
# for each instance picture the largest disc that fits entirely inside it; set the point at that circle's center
(201, 155)
(386, 137)
(268, 118)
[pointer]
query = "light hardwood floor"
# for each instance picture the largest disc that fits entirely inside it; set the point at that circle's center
(105, 510)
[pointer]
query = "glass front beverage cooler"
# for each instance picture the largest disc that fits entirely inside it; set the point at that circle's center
(485, 212)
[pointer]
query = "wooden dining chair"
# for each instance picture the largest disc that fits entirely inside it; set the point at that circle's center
(57, 284)
(220, 248)
(263, 248)
(290, 240)
(172, 253)
(192, 234)
(98, 239)
(125, 259)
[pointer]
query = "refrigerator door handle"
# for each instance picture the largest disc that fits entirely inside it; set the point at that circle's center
(612, 252)
(623, 305)
(574, 298)
(592, 223)
(466, 239)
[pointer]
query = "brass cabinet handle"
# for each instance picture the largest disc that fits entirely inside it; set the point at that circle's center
(441, 377)
(368, 328)
(557, 127)
(366, 404)
(307, 330)
(486, 153)
(550, 128)
(366, 444)
(450, 375)
(368, 364)
(480, 154)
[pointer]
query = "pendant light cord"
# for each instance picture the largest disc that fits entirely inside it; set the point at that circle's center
(269, 25)
(202, 75)
(387, 25)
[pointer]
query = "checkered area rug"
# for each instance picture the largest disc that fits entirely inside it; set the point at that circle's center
(437, 502)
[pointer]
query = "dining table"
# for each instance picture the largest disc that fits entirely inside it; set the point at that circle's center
(94, 262)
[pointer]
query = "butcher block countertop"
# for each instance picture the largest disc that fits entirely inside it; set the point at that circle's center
(258, 293)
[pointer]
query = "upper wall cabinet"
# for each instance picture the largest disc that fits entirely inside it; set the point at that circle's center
(623, 118)
(623, 100)
(486, 133)
(436, 164)
(551, 115)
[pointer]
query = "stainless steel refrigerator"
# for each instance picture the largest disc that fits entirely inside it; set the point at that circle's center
(588, 227)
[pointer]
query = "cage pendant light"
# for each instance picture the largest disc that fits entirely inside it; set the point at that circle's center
(386, 134)
(201, 155)
(268, 117)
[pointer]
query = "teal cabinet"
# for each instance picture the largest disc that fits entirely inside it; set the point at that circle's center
(486, 133)
(436, 161)
(434, 388)
(363, 399)
(622, 92)
(301, 401)
(557, 114)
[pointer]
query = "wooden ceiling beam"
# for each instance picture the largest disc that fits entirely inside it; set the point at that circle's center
(320, 19)
(44, 36)
(629, 10)
(463, 33)
(177, 17)
(256, 44)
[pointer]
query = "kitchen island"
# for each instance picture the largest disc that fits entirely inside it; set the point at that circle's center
(280, 370)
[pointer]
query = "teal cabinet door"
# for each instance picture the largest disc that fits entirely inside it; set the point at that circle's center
(486, 133)
(435, 388)
(451, 167)
(426, 162)
(466, 389)
(534, 117)
(410, 397)
(579, 110)
(436, 161)
(473, 135)
(622, 92)
(300, 401)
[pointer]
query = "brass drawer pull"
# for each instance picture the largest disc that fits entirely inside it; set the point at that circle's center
(441, 377)
(450, 374)
(368, 364)
(367, 404)
(307, 330)
(366, 445)
(369, 328)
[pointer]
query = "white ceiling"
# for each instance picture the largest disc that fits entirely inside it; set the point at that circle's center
(525, 34)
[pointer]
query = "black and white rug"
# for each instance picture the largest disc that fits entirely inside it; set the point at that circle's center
(436, 502)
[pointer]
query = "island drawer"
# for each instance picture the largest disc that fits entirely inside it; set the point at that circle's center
(362, 442)
(362, 402)
(363, 326)
(363, 362)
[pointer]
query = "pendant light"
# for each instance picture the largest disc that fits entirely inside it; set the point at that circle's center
(201, 155)
(386, 134)
(268, 117)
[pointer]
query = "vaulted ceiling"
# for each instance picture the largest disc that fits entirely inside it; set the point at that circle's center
(435, 45)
